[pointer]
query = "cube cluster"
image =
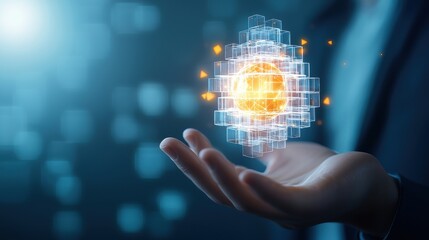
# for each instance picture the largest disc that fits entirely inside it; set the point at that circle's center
(266, 94)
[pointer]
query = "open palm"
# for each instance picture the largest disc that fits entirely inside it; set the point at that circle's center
(302, 185)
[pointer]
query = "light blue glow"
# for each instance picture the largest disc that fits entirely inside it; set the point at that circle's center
(58, 167)
(12, 121)
(68, 190)
(87, 41)
(76, 126)
(129, 18)
(372, 25)
(153, 99)
(51, 171)
(72, 72)
(332, 231)
(61, 150)
(130, 218)
(149, 161)
(28, 145)
(32, 101)
(125, 128)
(185, 102)
(24, 26)
(67, 224)
(93, 9)
(34, 79)
(172, 205)
(98, 40)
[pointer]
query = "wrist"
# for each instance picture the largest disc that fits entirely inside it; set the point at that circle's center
(376, 217)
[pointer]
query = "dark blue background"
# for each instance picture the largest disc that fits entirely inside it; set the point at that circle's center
(73, 118)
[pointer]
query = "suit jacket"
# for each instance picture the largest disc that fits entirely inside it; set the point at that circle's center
(396, 123)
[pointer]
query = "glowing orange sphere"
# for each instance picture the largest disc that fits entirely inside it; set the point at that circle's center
(260, 91)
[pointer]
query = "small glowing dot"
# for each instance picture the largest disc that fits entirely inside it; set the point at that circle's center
(330, 42)
(303, 41)
(344, 63)
(217, 49)
(203, 74)
(208, 96)
(319, 122)
(381, 54)
(327, 101)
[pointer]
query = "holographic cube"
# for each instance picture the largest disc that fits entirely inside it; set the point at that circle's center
(266, 94)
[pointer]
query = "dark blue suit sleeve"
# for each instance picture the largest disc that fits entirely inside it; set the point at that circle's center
(412, 216)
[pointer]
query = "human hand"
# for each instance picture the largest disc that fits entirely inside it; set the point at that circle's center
(303, 185)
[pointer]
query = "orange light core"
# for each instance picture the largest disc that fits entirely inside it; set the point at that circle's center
(260, 91)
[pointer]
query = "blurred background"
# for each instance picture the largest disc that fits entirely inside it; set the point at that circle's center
(88, 89)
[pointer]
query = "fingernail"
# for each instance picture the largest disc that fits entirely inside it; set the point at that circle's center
(191, 140)
(170, 152)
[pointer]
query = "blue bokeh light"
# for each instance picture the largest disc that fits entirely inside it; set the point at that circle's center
(32, 101)
(67, 224)
(118, 76)
(51, 171)
(68, 190)
(12, 121)
(131, 218)
(153, 99)
(125, 128)
(98, 40)
(149, 161)
(72, 72)
(61, 150)
(76, 126)
(172, 205)
(58, 167)
(130, 17)
(185, 102)
(28, 145)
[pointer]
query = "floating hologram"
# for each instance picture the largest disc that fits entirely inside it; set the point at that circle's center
(266, 92)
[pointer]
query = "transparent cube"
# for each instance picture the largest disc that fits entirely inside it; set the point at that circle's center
(285, 37)
(243, 36)
(314, 84)
(265, 42)
(229, 51)
(256, 21)
(221, 68)
(314, 99)
(225, 103)
(294, 132)
(274, 23)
